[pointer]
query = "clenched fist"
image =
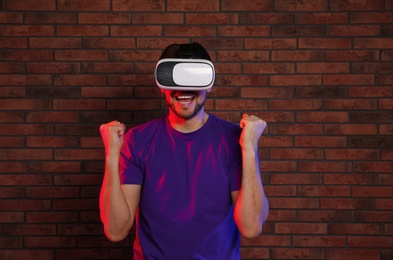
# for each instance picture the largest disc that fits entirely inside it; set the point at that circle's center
(253, 128)
(112, 135)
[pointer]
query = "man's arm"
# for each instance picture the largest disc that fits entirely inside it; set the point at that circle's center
(118, 203)
(251, 205)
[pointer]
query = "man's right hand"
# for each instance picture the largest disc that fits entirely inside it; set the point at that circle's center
(112, 135)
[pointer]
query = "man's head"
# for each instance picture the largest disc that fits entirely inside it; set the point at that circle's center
(185, 103)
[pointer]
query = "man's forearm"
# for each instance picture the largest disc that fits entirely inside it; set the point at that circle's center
(251, 207)
(114, 210)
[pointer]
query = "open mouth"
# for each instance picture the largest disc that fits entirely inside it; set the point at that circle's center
(184, 97)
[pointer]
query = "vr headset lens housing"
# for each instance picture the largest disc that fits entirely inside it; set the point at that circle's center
(184, 74)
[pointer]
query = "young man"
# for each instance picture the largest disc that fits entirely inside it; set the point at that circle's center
(190, 180)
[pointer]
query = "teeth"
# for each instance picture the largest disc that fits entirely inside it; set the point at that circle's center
(185, 97)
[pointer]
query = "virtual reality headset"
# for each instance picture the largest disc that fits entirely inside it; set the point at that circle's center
(184, 74)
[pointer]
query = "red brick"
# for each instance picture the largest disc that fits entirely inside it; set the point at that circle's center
(25, 205)
(246, 5)
(374, 192)
(191, 31)
(202, 18)
(351, 129)
(297, 253)
(12, 43)
(355, 228)
(54, 167)
(325, 43)
(297, 31)
(80, 229)
(72, 80)
(384, 204)
(53, 192)
(295, 178)
(374, 167)
(296, 153)
(53, 43)
(297, 55)
(84, 253)
(252, 104)
(13, 167)
(129, 5)
(121, 104)
(12, 142)
(26, 154)
(325, 167)
(80, 179)
(378, 91)
(319, 241)
(303, 6)
(275, 166)
(50, 242)
(295, 80)
(346, 203)
(29, 229)
(371, 17)
(83, 5)
(322, 117)
(26, 254)
(354, 30)
(293, 203)
(81, 55)
(361, 254)
(352, 55)
(25, 80)
(370, 241)
(135, 30)
(82, 30)
(321, 18)
(353, 5)
(373, 216)
(320, 141)
(349, 79)
(322, 67)
(275, 44)
(324, 191)
(161, 18)
(267, 241)
(323, 216)
(50, 18)
(311, 129)
(353, 179)
(12, 192)
(23, 179)
(244, 31)
(107, 67)
(79, 154)
(241, 80)
(27, 55)
(243, 56)
(281, 215)
(44, 5)
(51, 217)
(52, 117)
(279, 191)
(350, 104)
(109, 43)
(103, 18)
(352, 154)
(53, 67)
(11, 17)
(258, 92)
(271, 68)
(27, 30)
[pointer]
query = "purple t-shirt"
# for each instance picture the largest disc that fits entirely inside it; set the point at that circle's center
(185, 209)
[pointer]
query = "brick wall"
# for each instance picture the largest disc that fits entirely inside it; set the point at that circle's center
(320, 72)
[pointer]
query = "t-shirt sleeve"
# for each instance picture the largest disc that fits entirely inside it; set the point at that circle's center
(129, 163)
(235, 166)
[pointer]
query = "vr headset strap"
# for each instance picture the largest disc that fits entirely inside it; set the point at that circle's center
(185, 51)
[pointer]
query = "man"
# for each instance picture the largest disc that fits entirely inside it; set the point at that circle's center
(190, 180)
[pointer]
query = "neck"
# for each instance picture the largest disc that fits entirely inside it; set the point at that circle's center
(188, 125)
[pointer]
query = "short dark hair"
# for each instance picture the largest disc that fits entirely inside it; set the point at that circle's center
(187, 51)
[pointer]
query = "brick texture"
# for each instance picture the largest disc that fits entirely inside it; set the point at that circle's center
(320, 72)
